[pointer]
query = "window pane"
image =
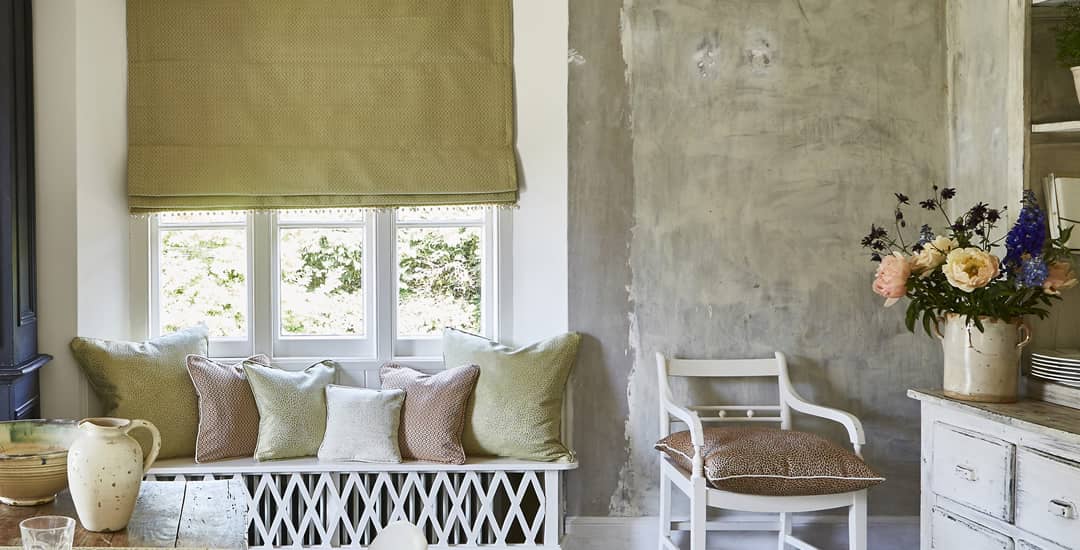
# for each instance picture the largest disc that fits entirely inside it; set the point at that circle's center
(440, 213)
(203, 279)
(438, 279)
(321, 288)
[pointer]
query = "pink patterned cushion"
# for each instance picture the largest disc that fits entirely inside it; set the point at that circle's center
(228, 417)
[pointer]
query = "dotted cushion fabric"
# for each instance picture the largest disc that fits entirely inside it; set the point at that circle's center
(362, 425)
(228, 417)
(516, 410)
(433, 417)
(235, 104)
(292, 408)
(772, 462)
(148, 380)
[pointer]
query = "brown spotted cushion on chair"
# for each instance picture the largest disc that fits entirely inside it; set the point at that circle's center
(769, 461)
(228, 417)
(433, 416)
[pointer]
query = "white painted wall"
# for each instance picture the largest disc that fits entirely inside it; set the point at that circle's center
(80, 93)
(540, 240)
(57, 251)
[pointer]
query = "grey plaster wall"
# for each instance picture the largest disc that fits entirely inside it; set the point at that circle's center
(725, 160)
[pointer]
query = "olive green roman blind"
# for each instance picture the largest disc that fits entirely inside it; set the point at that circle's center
(267, 104)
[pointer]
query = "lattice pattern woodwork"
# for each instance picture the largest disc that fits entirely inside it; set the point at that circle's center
(464, 509)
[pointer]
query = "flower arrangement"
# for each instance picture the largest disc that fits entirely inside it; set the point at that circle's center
(957, 271)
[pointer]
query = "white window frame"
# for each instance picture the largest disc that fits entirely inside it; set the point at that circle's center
(380, 343)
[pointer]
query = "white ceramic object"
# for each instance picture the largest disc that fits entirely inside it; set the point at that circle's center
(1076, 80)
(982, 365)
(105, 471)
(400, 535)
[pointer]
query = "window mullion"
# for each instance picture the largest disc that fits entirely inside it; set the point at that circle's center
(154, 309)
(263, 308)
(384, 289)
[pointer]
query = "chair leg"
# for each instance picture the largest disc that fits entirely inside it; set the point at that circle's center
(665, 507)
(698, 506)
(785, 530)
(857, 522)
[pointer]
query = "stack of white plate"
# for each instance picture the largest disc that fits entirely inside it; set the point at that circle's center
(1059, 365)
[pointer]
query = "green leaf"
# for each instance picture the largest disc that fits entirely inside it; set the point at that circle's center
(912, 313)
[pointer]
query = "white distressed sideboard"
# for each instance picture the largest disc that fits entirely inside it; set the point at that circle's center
(999, 477)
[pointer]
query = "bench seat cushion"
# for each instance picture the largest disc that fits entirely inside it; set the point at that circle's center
(772, 462)
(248, 465)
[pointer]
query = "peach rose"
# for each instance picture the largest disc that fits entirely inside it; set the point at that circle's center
(932, 255)
(971, 268)
(1060, 277)
(891, 278)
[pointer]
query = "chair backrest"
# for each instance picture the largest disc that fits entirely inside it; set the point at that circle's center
(774, 367)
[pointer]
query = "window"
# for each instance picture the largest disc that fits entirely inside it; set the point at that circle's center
(368, 285)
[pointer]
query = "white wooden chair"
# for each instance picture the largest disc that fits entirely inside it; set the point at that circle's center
(694, 484)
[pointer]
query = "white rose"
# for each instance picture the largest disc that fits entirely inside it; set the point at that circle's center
(971, 268)
(932, 255)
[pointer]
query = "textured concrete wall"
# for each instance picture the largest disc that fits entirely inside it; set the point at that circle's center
(725, 160)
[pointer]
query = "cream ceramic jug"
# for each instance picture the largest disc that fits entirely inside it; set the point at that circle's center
(105, 471)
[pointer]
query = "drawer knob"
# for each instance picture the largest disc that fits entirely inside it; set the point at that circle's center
(1061, 509)
(965, 473)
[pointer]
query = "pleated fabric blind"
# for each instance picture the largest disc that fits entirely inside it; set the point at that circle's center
(267, 104)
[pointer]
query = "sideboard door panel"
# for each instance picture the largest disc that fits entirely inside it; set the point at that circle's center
(973, 469)
(951, 532)
(1048, 496)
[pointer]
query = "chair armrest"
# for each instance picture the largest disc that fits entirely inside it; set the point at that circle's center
(697, 434)
(848, 420)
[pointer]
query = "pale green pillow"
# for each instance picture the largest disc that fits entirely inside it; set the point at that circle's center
(516, 409)
(148, 380)
(292, 408)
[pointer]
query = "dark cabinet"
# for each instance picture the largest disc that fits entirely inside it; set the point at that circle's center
(19, 357)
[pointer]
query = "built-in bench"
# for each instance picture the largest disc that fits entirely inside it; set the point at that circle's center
(486, 502)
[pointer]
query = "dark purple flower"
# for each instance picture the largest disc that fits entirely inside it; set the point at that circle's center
(929, 204)
(948, 193)
(902, 198)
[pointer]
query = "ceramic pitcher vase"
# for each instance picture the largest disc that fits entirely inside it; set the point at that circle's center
(105, 471)
(982, 365)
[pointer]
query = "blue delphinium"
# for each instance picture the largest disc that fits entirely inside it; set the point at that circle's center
(1033, 272)
(1028, 236)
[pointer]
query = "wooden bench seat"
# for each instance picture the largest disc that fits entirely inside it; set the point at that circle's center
(305, 502)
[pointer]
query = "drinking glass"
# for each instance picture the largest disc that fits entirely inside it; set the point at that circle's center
(47, 533)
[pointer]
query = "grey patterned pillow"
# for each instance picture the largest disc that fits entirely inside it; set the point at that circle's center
(362, 425)
(228, 417)
(773, 462)
(433, 416)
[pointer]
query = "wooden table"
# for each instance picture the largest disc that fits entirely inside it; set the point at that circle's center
(196, 514)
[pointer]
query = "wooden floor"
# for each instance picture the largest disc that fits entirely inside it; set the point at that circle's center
(167, 514)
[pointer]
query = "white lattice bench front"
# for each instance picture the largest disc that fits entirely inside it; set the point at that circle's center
(484, 503)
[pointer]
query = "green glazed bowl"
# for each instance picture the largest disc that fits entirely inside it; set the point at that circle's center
(33, 460)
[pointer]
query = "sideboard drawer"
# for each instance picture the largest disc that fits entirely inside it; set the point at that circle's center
(951, 532)
(1048, 496)
(973, 469)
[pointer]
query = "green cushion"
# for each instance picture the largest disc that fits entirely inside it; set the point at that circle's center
(148, 380)
(516, 410)
(292, 408)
